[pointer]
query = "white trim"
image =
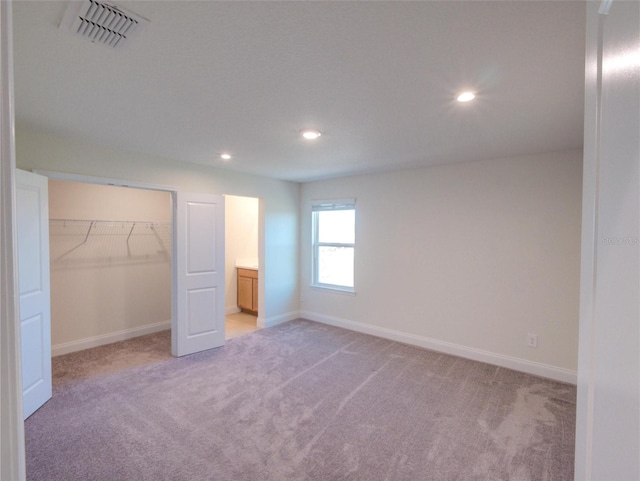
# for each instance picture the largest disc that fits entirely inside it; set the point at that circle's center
(95, 341)
(231, 310)
(12, 452)
(319, 202)
(275, 320)
(347, 291)
(530, 367)
(583, 462)
(89, 179)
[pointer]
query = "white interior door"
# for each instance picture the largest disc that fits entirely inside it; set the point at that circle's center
(32, 207)
(199, 323)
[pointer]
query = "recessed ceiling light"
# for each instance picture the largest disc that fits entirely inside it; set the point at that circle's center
(466, 96)
(311, 134)
(225, 156)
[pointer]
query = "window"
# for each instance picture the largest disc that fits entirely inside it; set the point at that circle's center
(334, 244)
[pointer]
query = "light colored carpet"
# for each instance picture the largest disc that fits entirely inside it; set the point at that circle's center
(300, 401)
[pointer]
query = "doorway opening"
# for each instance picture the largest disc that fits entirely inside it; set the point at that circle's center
(242, 231)
(110, 263)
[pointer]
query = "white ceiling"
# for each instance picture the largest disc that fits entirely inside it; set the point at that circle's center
(378, 79)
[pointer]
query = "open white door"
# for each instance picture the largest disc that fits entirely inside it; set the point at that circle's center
(32, 209)
(200, 299)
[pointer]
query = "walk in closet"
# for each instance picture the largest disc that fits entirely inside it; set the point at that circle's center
(110, 254)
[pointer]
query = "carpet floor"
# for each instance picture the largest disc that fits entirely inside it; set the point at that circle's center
(300, 401)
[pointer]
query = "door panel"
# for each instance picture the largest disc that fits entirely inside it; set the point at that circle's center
(32, 207)
(200, 304)
(200, 273)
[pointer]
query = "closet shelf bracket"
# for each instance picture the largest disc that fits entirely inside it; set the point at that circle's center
(89, 231)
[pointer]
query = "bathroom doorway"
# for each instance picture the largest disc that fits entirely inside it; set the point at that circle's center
(242, 231)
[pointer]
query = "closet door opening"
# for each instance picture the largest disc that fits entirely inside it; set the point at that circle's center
(111, 264)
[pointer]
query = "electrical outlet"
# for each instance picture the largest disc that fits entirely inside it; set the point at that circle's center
(532, 340)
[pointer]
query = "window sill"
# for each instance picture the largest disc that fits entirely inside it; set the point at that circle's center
(338, 290)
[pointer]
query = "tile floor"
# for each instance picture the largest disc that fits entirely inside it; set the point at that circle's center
(240, 323)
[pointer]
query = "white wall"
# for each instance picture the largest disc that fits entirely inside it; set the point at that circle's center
(76, 200)
(241, 241)
(608, 409)
(108, 287)
(279, 206)
(465, 258)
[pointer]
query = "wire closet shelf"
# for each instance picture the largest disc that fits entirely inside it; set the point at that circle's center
(110, 241)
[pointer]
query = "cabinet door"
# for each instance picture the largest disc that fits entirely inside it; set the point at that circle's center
(245, 293)
(255, 294)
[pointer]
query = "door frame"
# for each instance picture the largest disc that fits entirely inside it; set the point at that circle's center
(12, 452)
(87, 179)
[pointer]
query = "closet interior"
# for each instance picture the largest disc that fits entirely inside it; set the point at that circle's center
(110, 254)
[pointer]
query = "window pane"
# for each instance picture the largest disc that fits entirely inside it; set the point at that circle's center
(336, 226)
(335, 266)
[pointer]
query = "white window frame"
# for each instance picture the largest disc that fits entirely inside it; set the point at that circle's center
(329, 205)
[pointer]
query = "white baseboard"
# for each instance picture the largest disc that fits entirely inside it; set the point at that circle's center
(275, 320)
(530, 367)
(231, 310)
(80, 344)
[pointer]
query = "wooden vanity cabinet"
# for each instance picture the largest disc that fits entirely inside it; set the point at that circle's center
(248, 290)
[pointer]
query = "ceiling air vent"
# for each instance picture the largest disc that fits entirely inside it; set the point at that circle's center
(101, 22)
